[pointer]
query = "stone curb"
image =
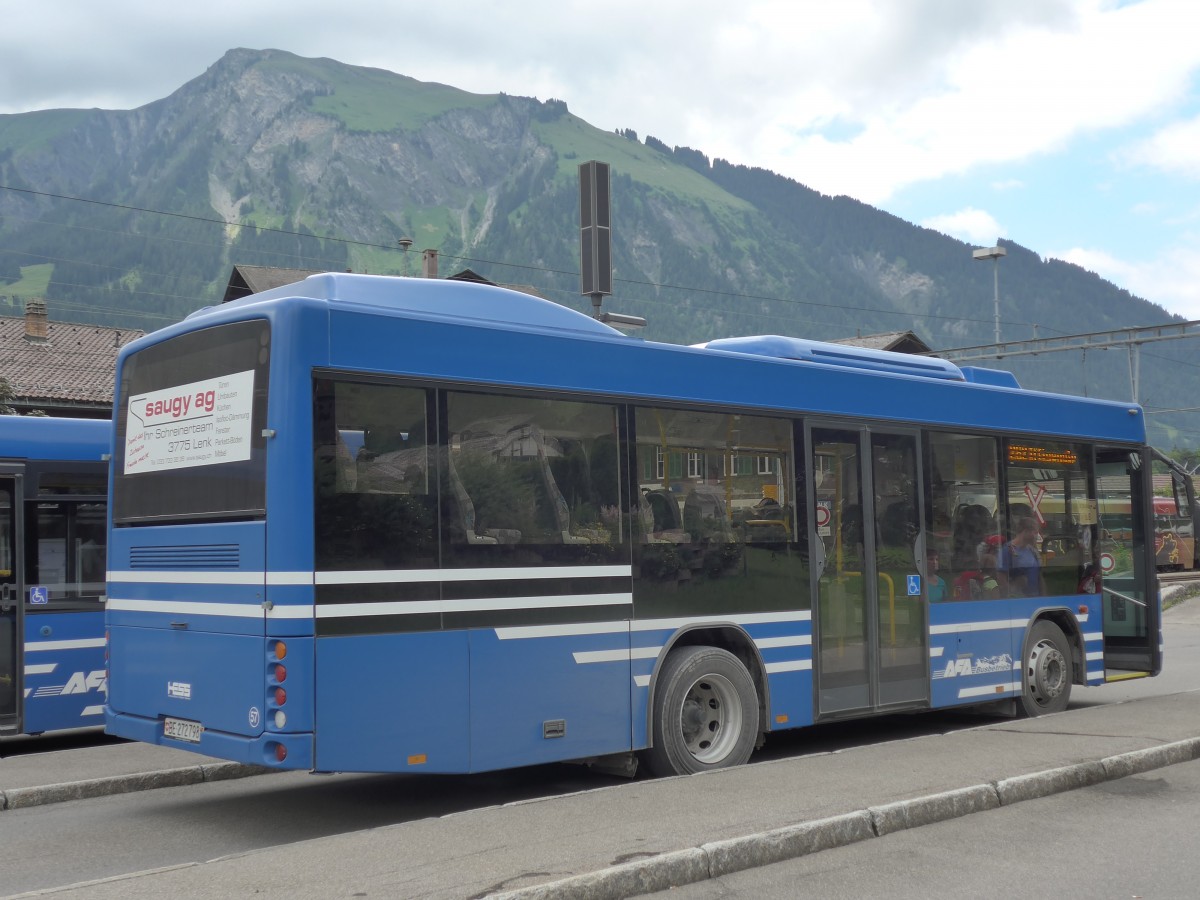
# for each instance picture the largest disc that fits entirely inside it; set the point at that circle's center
(712, 860)
(22, 798)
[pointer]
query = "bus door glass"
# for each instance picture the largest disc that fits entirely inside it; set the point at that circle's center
(1127, 577)
(870, 620)
(11, 607)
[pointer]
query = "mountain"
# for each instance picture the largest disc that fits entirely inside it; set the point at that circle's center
(272, 159)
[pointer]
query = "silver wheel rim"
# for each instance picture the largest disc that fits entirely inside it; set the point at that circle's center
(710, 719)
(1047, 672)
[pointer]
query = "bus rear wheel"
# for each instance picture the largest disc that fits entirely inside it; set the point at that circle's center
(705, 713)
(1047, 672)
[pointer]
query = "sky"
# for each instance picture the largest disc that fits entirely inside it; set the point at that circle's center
(1071, 127)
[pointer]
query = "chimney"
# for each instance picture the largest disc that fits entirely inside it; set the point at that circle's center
(429, 262)
(36, 326)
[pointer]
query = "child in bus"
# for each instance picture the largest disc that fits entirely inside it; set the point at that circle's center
(989, 587)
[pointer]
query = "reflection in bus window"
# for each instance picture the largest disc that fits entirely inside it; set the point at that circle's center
(717, 512)
(960, 512)
(1048, 487)
(374, 507)
(530, 478)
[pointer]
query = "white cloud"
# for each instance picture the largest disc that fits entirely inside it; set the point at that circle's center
(1174, 149)
(1171, 279)
(923, 88)
(975, 226)
(1009, 184)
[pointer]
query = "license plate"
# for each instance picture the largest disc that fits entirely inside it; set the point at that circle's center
(182, 730)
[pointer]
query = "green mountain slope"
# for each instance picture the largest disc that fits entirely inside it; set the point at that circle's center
(271, 159)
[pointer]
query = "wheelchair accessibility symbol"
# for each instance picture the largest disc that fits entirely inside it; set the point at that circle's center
(39, 595)
(914, 585)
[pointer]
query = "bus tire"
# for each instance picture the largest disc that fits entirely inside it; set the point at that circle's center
(1047, 671)
(705, 713)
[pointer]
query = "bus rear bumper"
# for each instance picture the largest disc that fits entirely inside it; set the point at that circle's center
(262, 750)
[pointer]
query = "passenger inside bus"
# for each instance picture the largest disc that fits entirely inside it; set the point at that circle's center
(1019, 566)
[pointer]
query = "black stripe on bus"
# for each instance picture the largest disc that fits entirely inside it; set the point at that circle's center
(502, 618)
(333, 594)
(390, 591)
(536, 587)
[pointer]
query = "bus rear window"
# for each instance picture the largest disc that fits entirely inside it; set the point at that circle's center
(190, 416)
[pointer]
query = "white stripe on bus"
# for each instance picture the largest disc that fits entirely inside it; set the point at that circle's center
(743, 619)
(372, 576)
(794, 665)
(574, 629)
(795, 640)
(183, 607)
(602, 656)
(80, 644)
(988, 689)
(996, 625)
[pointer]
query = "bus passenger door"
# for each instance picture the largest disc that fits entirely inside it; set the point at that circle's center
(869, 620)
(1128, 579)
(11, 602)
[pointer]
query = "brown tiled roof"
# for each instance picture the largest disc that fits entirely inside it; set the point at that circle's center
(71, 368)
(902, 341)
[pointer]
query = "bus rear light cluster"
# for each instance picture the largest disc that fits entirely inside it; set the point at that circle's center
(276, 675)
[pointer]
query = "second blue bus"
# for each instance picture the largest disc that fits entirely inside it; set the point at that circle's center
(53, 496)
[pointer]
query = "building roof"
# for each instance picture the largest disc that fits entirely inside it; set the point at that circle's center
(898, 341)
(60, 367)
(246, 280)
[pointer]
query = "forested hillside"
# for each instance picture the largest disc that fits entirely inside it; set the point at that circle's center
(271, 159)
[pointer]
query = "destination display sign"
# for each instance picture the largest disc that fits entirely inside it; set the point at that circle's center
(1025, 453)
(199, 424)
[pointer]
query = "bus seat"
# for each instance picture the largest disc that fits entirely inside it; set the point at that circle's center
(466, 510)
(655, 509)
(704, 514)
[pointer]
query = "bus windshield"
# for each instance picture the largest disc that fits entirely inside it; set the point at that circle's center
(190, 417)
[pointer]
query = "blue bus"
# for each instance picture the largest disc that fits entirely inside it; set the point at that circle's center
(377, 524)
(53, 495)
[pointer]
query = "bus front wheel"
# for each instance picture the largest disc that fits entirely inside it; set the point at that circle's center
(705, 713)
(1046, 674)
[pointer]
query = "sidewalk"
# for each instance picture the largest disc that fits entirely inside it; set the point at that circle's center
(646, 835)
(34, 779)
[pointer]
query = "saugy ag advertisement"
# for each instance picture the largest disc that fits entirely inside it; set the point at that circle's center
(199, 424)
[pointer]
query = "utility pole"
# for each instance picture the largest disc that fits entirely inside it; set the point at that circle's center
(994, 254)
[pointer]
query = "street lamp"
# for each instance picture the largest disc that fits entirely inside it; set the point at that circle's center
(994, 254)
(405, 243)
